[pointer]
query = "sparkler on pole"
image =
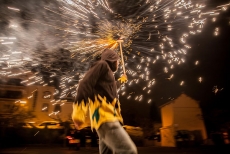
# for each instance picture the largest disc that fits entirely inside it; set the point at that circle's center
(122, 58)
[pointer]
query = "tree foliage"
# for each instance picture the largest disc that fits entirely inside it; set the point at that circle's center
(17, 113)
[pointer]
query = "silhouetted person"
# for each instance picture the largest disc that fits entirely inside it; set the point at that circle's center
(97, 104)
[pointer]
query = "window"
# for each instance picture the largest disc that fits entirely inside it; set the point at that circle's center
(57, 108)
(45, 107)
(11, 94)
(47, 94)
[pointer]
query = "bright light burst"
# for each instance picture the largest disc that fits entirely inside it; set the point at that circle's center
(60, 39)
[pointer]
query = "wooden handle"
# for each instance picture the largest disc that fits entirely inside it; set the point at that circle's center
(122, 58)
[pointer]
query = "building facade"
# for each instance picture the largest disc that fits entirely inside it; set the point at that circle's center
(181, 114)
(37, 99)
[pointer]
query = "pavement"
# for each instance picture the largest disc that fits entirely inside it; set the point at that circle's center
(94, 150)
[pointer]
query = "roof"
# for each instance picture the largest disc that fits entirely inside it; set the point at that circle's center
(167, 103)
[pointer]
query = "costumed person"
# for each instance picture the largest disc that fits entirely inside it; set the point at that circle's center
(97, 104)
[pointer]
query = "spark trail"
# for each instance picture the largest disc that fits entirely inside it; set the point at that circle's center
(58, 40)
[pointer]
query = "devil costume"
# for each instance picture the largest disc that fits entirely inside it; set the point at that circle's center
(97, 97)
(97, 104)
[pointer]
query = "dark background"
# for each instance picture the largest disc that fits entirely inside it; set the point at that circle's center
(212, 52)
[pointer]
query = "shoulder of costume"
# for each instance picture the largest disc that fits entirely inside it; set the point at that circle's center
(102, 63)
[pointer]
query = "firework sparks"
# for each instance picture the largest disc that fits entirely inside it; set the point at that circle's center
(215, 89)
(154, 32)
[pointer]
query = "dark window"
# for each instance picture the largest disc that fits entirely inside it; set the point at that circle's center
(47, 94)
(10, 94)
(35, 99)
(45, 107)
(57, 108)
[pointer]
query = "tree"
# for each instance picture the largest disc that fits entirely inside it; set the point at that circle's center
(17, 113)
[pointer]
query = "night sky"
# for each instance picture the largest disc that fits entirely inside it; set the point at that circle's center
(213, 54)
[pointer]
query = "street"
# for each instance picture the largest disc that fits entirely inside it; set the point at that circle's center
(89, 150)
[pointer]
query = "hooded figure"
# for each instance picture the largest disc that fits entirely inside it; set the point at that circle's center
(97, 96)
(97, 104)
